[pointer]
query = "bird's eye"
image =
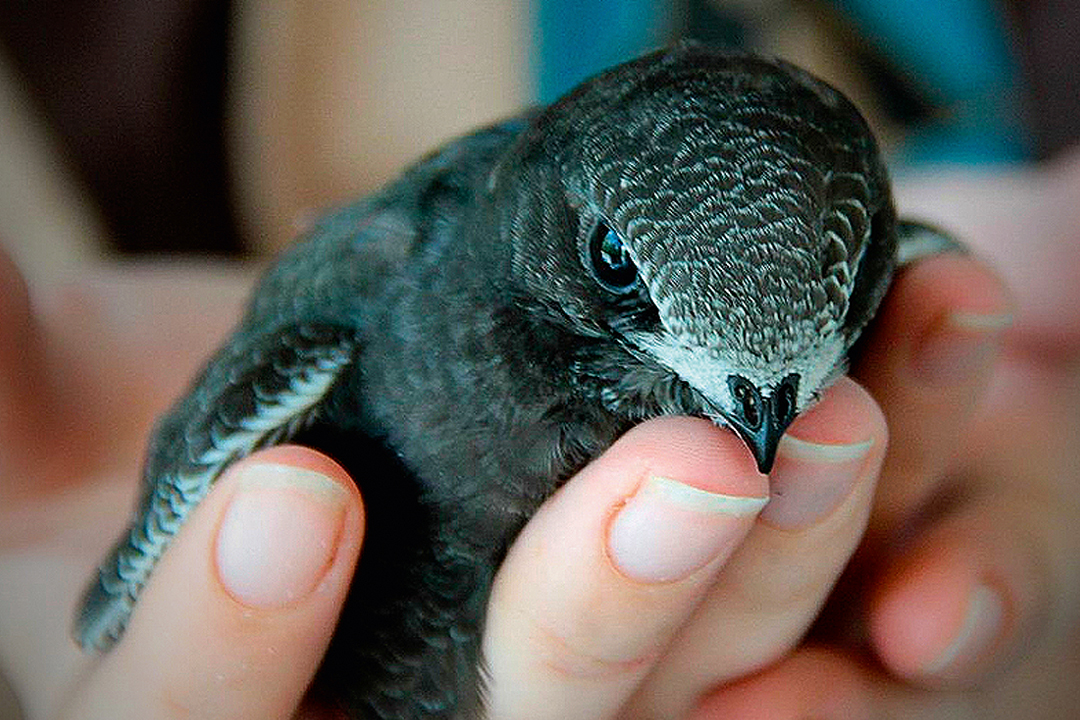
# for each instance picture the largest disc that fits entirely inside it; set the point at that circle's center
(610, 260)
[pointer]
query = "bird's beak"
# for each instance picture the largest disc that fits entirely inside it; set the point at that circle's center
(764, 439)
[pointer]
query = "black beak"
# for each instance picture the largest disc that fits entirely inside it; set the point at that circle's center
(762, 419)
(763, 440)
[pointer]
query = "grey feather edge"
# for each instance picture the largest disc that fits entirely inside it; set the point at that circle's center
(178, 476)
(379, 223)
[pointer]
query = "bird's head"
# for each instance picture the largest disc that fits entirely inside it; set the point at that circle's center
(717, 228)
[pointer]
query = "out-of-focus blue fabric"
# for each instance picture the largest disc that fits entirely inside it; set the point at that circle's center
(957, 54)
(578, 38)
(954, 48)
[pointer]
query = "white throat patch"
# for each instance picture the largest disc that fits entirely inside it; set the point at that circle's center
(707, 370)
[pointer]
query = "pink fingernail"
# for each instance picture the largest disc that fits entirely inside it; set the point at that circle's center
(279, 534)
(963, 347)
(668, 529)
(810, 480)
(977, 633)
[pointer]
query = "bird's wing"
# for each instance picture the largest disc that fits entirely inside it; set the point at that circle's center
(917, 240)
(301, 333)
(257, 391)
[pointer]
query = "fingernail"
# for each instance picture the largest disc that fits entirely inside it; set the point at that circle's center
(978, 631)
(279, 534)
(959, 349)
(668, 529)
(810, 480)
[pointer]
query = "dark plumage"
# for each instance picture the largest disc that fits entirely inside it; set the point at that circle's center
(694, 232)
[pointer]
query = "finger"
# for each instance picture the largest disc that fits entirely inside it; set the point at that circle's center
(22, 401)
(602, 576)
(827, 685)
(810, 681)
(927, 361)
(239, 611)
(1026, 220)
(772, 588)
(975, 594)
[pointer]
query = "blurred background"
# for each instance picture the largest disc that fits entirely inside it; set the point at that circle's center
(216, 126)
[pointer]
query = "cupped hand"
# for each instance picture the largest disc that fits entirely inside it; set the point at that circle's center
(648, 579)
(655, 644)
(615, 579)
(964, 601)
(239, 613)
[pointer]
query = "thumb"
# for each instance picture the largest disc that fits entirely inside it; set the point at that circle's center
(238, 614)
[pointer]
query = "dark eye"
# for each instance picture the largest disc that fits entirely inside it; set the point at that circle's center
(610, 260)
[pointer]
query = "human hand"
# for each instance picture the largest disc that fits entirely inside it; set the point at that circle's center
(85, 376)
(80, 382)
(752, 611)
(659, 643)
(648, 578)
(968, 585)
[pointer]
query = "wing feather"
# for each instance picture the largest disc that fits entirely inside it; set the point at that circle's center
(255, 393)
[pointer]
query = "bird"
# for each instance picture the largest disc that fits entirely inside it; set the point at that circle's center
(696, 232)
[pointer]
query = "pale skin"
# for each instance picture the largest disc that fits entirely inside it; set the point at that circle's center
(578, 625)
(585, 620)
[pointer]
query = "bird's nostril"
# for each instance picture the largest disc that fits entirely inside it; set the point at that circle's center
(784, 401)
(751, 411)
(750, 399)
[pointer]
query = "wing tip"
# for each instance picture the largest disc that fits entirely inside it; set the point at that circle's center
(101, 616)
